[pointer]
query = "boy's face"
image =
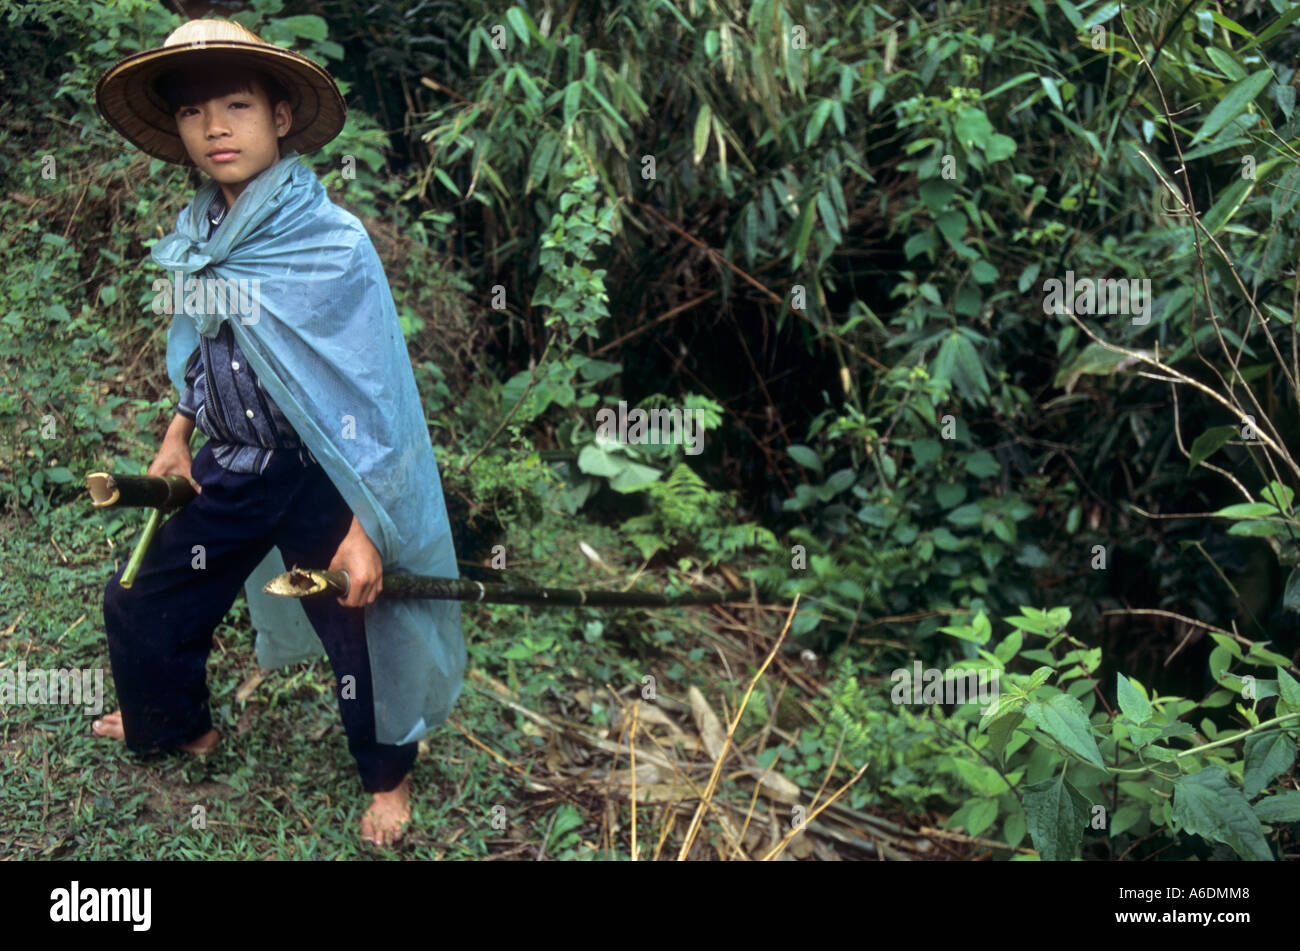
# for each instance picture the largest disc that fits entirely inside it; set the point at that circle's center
(233, 138)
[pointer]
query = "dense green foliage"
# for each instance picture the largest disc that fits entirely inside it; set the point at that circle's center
(832, 229)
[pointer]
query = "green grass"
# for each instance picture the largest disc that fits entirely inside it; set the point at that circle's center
(282, 783)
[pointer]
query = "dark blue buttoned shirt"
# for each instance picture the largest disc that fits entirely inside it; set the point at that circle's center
(227, 401)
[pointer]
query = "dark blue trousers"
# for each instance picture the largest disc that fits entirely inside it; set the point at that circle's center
(160, 629)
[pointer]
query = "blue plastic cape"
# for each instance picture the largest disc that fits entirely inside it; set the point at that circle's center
(325, 340)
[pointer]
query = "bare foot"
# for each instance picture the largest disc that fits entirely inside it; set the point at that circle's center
(204, 744)
(388, 814)
(111, 727)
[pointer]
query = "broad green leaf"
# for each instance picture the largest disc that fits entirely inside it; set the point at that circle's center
(953, 225)
(946, 540)
(982, 465)
(1208, 443)
(1267, 755)
(1133, 701)
(1037, 679)
(593, 371)
(1142, 735)
(1056, 813)
(926, 451)
(1206, 804)
(999, 147)
(840, 480)
(595, 461)
(1258, 652)
(1028, 276)
(968, 371)
(1009, 647)
(966, 515)
(633, 477)
(805, 457)
(1064, 719)
(1092, 359)
(981, 777)
(1258, 529)
(972, 127)
(1284, 807)
(1000, 730)
(1014, 828)
(1247, 510)
(1125, 818)
(919, 243)
(982, 814)
(949, 494)
(937, 194)
(308, 26)
(1288, 688)
(1279, 495)
(984, 272)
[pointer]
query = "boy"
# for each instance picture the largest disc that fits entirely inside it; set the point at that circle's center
(318, 451)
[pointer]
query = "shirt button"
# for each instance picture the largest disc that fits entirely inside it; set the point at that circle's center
(248, 413)
(234, 364)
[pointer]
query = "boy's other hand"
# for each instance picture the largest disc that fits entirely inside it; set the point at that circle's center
(358, 556)
(173, 459)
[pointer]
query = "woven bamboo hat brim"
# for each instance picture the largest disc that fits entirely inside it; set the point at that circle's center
(128, 101)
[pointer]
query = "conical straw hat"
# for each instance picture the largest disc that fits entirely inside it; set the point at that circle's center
(128, 101)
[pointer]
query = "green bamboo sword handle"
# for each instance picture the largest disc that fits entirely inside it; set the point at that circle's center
(158, 493)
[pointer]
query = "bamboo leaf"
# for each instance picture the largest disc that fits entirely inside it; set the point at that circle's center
(1233, 197)
(805, 229)
(1208, 443)
(1234, 103)
(702, 120)
(1281, 23)
(516, 18)
(1053, 92)
(572, 100)
(819, 116)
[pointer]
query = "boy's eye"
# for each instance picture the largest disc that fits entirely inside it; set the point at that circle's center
(190, 110)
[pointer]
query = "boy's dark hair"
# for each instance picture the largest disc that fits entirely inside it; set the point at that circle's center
(184, 87)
